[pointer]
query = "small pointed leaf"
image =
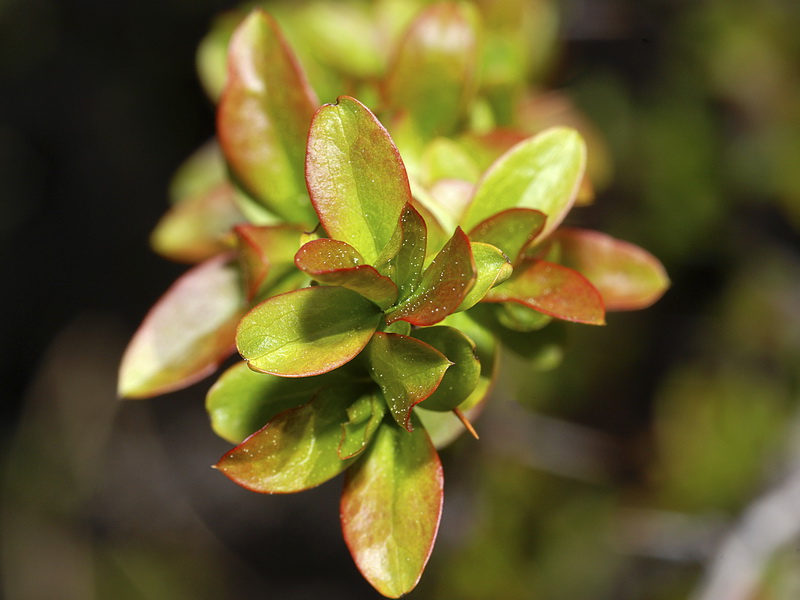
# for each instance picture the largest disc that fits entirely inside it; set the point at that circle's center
(492, 268)
(462, 376)
(364, 416)
(511, 230)
(404, 255)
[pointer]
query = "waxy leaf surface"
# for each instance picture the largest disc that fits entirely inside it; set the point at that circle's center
(364, 417)
(627, 277)
(404, 255)
(541, 173)
(407, 371)
(493, 269)
(263, 117)
(444, 285)
(187, 334)
(266, 254)
(296, 450)
(307, 332)
(332, 262)
(511, 230)
(356, 178)
(391, 507)
(461, 377)
(552, 289)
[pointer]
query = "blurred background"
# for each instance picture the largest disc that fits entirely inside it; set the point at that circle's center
(659, 461)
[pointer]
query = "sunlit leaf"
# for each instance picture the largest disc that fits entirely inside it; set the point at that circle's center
(187, 334)
(266, 254)
(444, 158)
(552, 289)
(296, 450)
(511, 230)
(404, 255)
(626, 276)
(364, 416)
(461, 377)
(355, 177)
(391, 506)
(307, 332)
(407, 371)
(263, 118)
(541, 173)
(492, 268)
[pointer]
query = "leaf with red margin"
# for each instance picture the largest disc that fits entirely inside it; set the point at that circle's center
(263, 117)
(552, 289)
(627, 276)
(296, 450)
(187, 333)
(266, 254)
(356, 178)
(332, 262)
(404, 255)
(407, 371)
(391, 506)
(364, 417)
(444, 285)
(511, 230)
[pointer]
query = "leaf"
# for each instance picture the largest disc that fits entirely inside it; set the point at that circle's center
(186, 334)
(263, 117)
(296, 450)
(307, 332)
(434, 73)
(541, 173)
(462, 376)
(627, 277)
(266, 254)
(511, 230)
(243, 401)
(404, 255)
(444, 285)
(356, 178)
(552, 289)
(407, 371)
(203, 171)
(364, 417)
(391, 507)
(492, 268)
(332, 262)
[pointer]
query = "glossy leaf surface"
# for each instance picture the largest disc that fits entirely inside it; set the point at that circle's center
(403, 258)
(627, 276)
(554, 290)
(511, 230)
(263, 117)
(307, 332)
(364, 417)
(541, 173)
(356, 178)
(187, 334)
(461, 377)
(492, 268)
(407, 371)
(296, 450)
(391, 507)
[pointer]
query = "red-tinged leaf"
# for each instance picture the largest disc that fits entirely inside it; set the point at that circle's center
(296, 450)
(434, 74)
(263, 118)
(307, 332)
(511, 230)
(187, 334)
(198, 227)
(485, 148)
(356, 178)
(391, 507)
(627, 277)
(462, 376)
(493, 269)
(444, 285)
(364, 417)
(552, 289)
(266, 254)
(407, 371)
(332, 262)
(404, 255)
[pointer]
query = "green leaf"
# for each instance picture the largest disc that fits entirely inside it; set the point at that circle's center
(521, 318)
(492, 268)
(243, 401)
(266, 255)
(627, 277)
(552, 289)
(263, 118)
(461, 378)
(296, 450)
(187, 334)
(391, 507)
(511, 230)
(434, 74)
(444, 285)
(403, 257)
(332, 262)
(355, 177)
(307, 332)
(541, 173)
(203, 171)
(407, 371)
(364, 416)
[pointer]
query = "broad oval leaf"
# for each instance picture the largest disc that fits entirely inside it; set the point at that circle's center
(627, 276)
(407, 371)
(356, 178)
(187, 334)
(364, 416)
(511, 230)
(307, 332)
(296, 450)
(542, 173)
(462, 376)
(552, 289)
(390, 509)
(492, 268)
(263, 117)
